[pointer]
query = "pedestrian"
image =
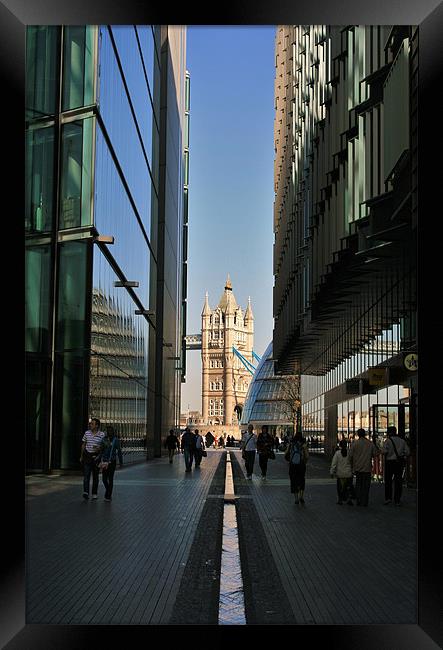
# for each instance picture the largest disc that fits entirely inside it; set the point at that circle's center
(111, 449)
(265, 449)
(221, 442)
(171, 443)
(188, 448)
(297, 455)
(178, 438)
(341, 469)
(276, 443)
(92, 445)
(248, 446)
(209, 439)
(376, 466)
(395, 451)
(199, 448)
(361, 454)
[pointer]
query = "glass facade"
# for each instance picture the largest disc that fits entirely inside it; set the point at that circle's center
(268, 400)
(92, 168)
(345, 225)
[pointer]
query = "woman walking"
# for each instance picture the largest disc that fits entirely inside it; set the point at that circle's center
(111, 450)
(297, 456)
(342, 470)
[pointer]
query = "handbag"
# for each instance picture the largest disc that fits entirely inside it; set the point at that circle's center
(271, 454)
(204, 453)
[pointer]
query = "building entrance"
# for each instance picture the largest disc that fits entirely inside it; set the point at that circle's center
(387, 415)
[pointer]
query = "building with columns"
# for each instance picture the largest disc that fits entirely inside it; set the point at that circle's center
(225, 379)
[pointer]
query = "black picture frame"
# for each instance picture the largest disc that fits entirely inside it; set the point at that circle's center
(14, 16)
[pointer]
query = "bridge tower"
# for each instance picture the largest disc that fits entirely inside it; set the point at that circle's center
(225, 378)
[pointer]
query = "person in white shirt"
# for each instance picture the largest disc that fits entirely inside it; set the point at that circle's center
(395, 451)
(92, 445)
(342, 470)
(199, 446)
(249, 447)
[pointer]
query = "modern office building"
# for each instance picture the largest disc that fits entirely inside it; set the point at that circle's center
(345, 219)
(105, 236)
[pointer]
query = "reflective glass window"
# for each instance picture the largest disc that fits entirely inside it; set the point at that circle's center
(41, 70)
(130, 58)
(147, 45)
(76, 174)
(120, 126)
(114, 215)
(78, 69)
(39, 180)
(72, 296)
(37, 298)
(119, 359)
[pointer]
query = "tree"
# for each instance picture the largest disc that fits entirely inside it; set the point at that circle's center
(289, 395)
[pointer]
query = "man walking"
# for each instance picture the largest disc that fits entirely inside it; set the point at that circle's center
(92, 444)
(360, 455)
(171, 443)
(188, 448)
(395, 451)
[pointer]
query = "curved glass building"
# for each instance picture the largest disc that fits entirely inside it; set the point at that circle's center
(267, 398)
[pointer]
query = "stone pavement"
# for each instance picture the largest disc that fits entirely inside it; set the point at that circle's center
(337, 564)
(152, 555)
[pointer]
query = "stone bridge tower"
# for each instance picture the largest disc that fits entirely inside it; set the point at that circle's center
(225, 380)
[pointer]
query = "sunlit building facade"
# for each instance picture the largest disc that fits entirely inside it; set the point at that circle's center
(104, 222)
(345, 218)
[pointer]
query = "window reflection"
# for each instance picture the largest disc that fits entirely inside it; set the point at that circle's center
(119, 349)
(75, 193)
(39, 180)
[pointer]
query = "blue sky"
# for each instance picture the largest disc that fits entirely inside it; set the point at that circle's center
(231, 179)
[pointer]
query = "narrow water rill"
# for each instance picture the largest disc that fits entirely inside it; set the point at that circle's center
(231, 604)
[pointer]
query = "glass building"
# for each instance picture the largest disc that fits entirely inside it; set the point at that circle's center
(268, 400)
(105, 244)
(345, 223)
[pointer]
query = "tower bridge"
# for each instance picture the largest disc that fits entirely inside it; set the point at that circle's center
(228, 359)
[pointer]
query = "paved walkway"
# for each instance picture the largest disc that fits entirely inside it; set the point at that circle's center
(139, 559)
(91, 562)
(337, 564)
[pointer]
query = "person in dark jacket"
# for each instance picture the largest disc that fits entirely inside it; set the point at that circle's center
(171, 443)
(297, 456)
(265, 449)
(188, 448)
(209, 439)
(111, 449)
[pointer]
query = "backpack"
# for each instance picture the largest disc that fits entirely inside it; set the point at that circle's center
(295, 454)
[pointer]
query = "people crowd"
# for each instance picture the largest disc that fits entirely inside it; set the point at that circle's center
(362, 458)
